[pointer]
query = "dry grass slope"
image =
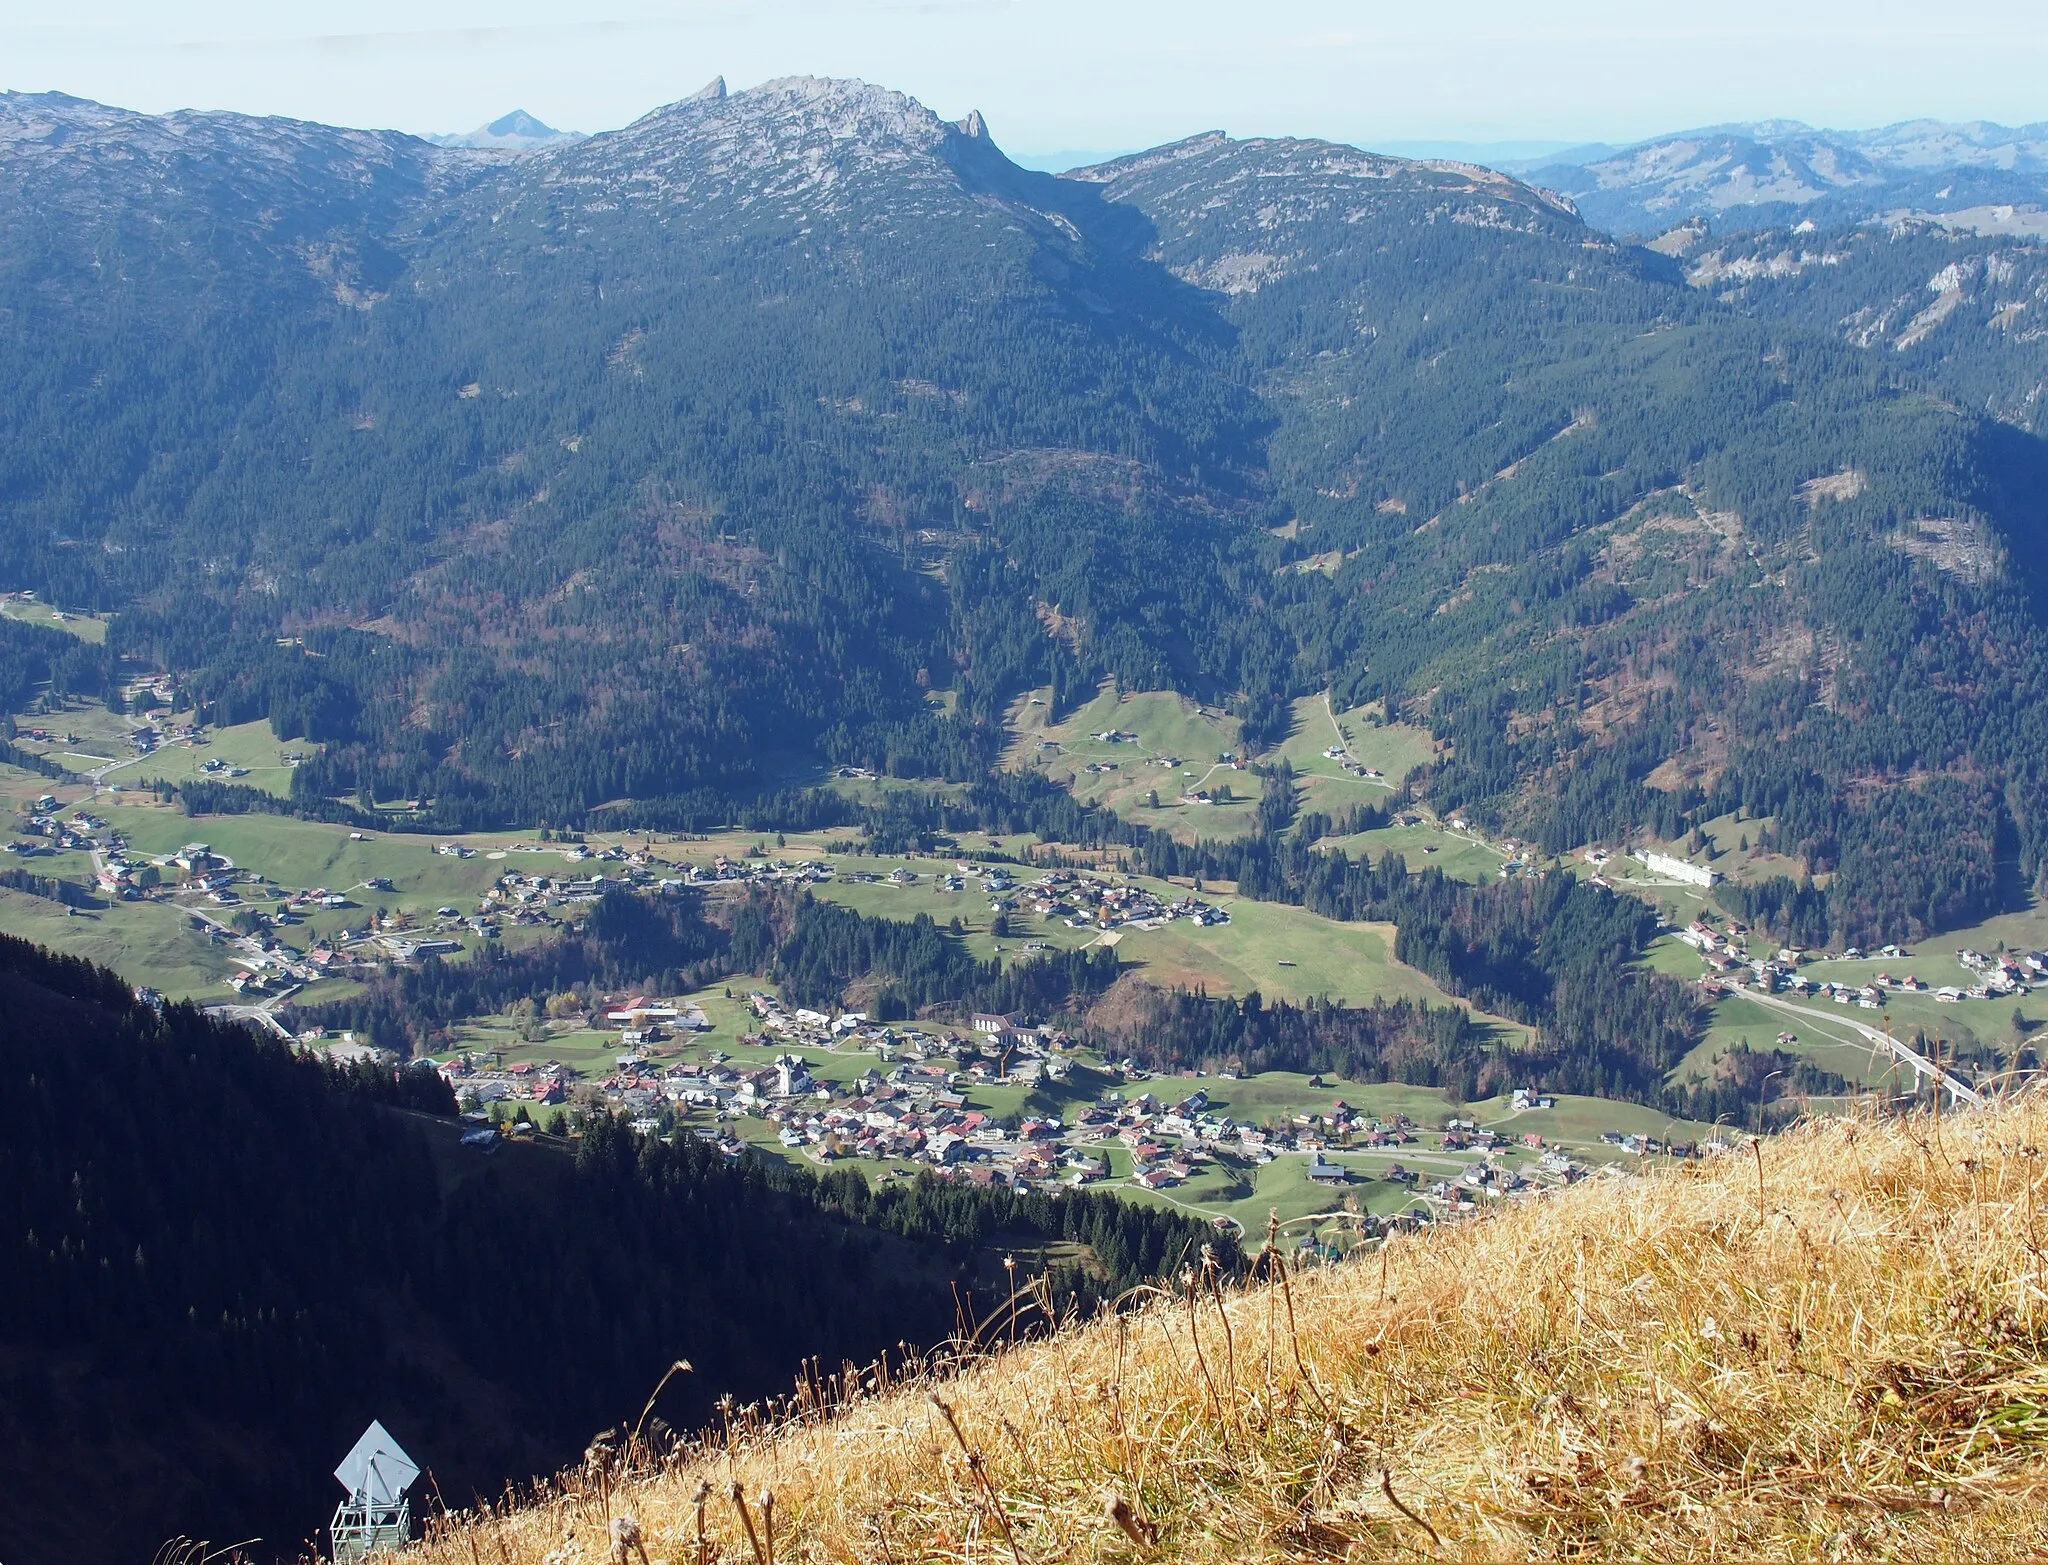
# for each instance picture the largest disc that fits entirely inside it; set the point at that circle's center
(1829, 1346)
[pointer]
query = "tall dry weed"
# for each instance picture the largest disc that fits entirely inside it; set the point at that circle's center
(1833, 1346)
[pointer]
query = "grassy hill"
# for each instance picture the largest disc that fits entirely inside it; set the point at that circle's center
(1828, 1345)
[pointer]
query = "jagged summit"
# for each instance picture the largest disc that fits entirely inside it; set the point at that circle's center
(849, 109)
(798, 146)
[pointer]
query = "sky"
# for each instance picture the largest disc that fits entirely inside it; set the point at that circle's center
(1079, 77)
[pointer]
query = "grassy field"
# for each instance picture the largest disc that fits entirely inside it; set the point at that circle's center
(1173, 727)
(1669, 1309)
(1427, 846)
(880, 899)
(18, 788)
(147, 943)
(86, 627)
(1828, 1042)
(1169, 728)
(1681, 902)
(1725, 851)
(1826, 1032)
(1392, 749)
(297, 854)
(89, 737)
(152, 942)
(85, 733)
(1351, 963)
(1246, 1192)
(252, 747)
(1283, 952)
(1740, 1021)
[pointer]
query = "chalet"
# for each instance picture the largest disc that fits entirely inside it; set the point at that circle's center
(1321, 1172)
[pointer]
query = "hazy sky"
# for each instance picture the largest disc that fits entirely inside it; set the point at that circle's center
(1058, 74)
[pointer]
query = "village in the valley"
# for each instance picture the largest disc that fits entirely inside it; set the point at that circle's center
(260, 916)
(906, 1096)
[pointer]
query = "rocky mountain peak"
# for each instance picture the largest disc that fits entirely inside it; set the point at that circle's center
(274, 180)
(797, 147)
(514, 132)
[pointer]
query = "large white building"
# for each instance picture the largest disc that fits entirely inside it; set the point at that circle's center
(1678, 869)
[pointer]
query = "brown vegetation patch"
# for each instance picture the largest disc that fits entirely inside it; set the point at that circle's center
(1832, 1344)
(1125, 1006)
(1955, 545)
(1060, 627)
(1845, 485)
(1019, 475)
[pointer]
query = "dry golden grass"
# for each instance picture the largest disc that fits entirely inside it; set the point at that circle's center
(1830, 1346)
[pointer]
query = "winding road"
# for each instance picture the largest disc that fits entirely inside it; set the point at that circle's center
(1958, 1090)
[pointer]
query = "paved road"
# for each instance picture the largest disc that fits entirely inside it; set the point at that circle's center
(1344, 744)
(250, 1013)
(1921, 1066)
(1209, 1213)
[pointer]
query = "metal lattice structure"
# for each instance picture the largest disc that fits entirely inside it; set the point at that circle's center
(376, 1515)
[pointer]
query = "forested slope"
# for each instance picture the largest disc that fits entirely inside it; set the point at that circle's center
(799, 426)
(219, 1259)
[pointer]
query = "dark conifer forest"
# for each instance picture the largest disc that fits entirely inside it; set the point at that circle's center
(220, 1258)
(624, 481)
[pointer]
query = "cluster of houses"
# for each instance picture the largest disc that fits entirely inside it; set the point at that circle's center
(723, 870)
(913, 1105)
(529, 899)
(525, 1082)
(1998, 977)
(1343, 758)
(58, 832)
(1730, 966)
(1082, 900)
(1085, 901)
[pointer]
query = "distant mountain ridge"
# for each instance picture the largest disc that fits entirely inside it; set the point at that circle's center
(1779, 171)
(750, 427)
(514, 132)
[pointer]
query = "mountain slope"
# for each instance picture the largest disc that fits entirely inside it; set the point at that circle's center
(1968, 314)
(219, 1259)
(1589, 523)
(1815, 1349)
(765, 340)
(514, 132)
(799, 426)
(1778, 172)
